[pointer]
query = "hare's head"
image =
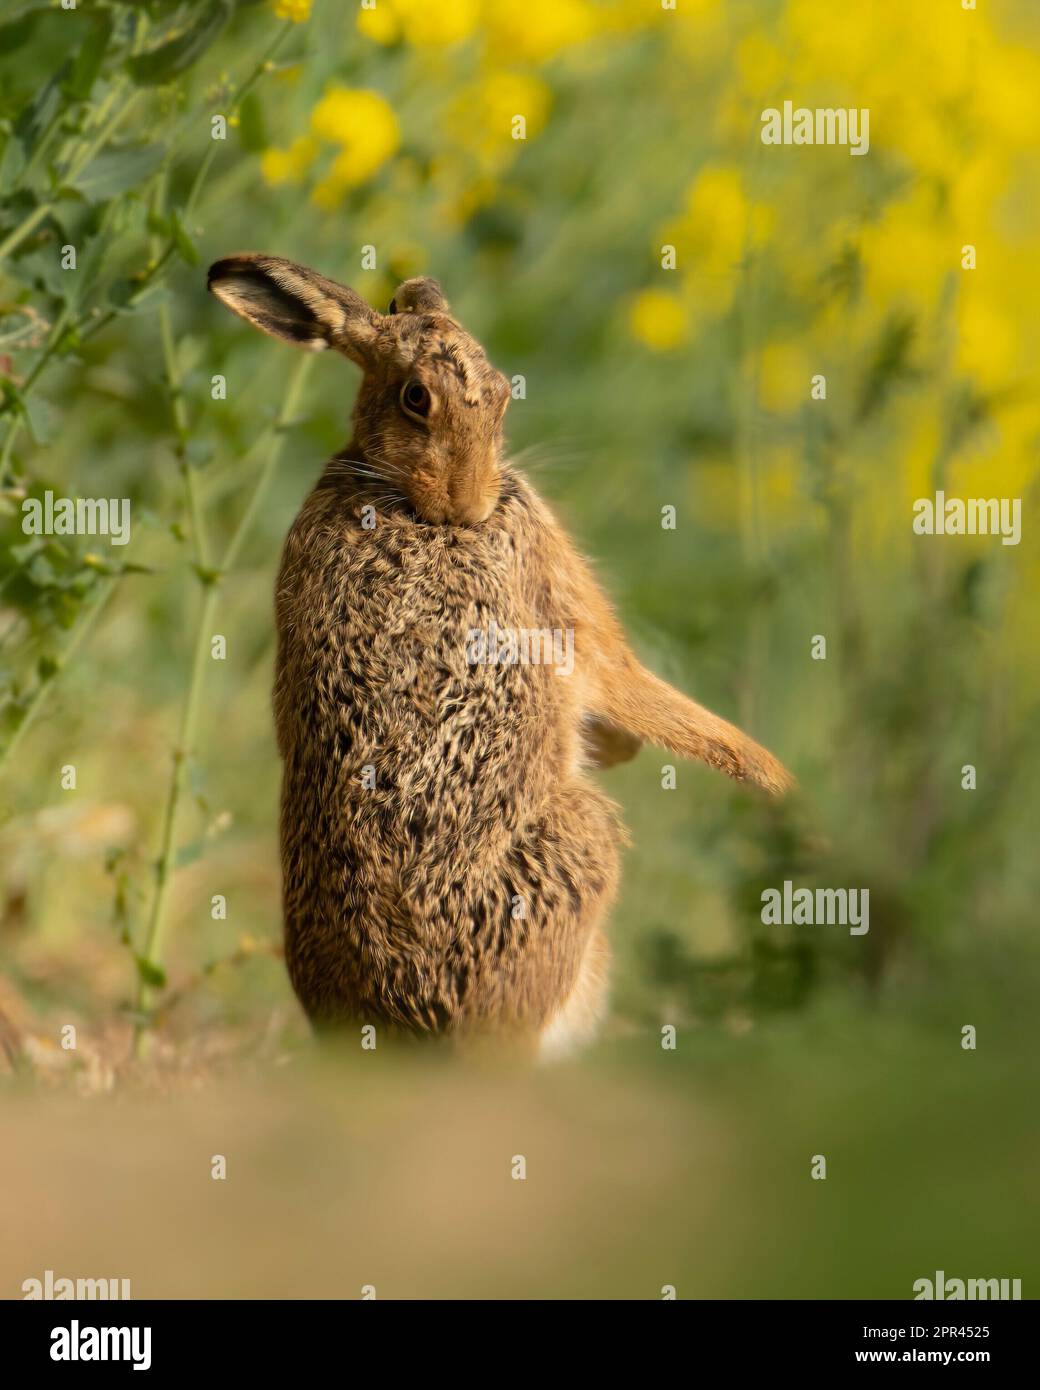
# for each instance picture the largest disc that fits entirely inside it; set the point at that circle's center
(429, 413)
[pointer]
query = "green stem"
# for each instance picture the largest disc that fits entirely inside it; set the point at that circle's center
(181, 424)
(151, 954)
(42, 144)
(180, 420)
(164, 864)
(57, 332)
(5, 453)
(281, 423)
(107, 129)
(27, 225)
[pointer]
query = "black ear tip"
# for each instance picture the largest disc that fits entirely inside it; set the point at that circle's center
(221, 270)
(242, 263)
(392, 307)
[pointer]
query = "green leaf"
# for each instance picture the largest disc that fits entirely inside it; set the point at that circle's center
(14, 717)
(189, 853)
(13, 398)
(151, 973)
(115, 171)
(186, 248)
(34, 118)
(252, 130)
(42, 269)
(42, 419)
(42, 573)
(22, 554)
(179, 53)
(89, 57)
(15, 32)
(127, 297)
(12, 162)
(199, 452)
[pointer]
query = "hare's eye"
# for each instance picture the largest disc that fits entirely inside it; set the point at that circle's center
(415, 399)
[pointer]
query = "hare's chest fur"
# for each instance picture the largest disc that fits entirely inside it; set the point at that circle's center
(417, 684)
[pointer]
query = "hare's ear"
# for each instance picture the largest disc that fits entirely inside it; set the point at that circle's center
(296, 304)
(419, 296)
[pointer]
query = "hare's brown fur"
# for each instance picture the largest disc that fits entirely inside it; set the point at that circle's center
(457, 881)
(448, 861)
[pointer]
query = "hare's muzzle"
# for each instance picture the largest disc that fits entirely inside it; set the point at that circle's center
(463, 493)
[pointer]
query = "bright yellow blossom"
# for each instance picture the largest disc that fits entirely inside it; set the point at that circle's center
(538, 29)
(363, 124)
(785, 375)
(658, 320)
(719, 225)
(425, 23)
(296, 10)
(483, 118)
(761, 64)
(288, 166)
(381, 23)
(987, 339)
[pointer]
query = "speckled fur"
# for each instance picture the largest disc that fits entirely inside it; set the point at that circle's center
(402, 901)
(448, 861)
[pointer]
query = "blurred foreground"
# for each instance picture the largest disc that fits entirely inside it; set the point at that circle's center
(644, 1168)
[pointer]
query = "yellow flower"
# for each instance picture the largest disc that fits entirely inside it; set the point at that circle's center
(761, 64)
(424, 23)
(483, 117)
(721, 218)
(288, 166)
(1001, 462)
(908, 253)
(658, 320)
(713, 234)
(537, 29)
(381, 24)
(781, 467)
(987, 340)
(441, 22)
(629, 16)
(297, 10)
(1014, 111)
(785, 372)
(922, 446)
(363, 124)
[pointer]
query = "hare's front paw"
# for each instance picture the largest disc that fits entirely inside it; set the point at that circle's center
(606, 744)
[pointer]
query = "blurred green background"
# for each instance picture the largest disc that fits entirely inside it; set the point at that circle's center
(375, 144)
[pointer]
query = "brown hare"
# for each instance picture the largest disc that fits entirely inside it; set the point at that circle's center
(448, 861)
